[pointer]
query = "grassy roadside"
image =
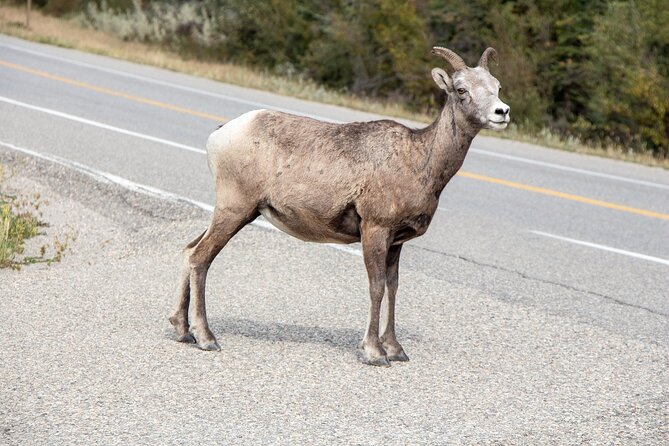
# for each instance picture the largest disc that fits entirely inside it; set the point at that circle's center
(70, 34)
(20, 220)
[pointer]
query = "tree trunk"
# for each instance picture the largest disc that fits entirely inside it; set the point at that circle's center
(28, 8)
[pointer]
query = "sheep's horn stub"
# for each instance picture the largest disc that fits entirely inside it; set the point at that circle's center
(456, 61)
(489, 53)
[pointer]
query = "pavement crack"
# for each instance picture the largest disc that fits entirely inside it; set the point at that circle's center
(545, 281)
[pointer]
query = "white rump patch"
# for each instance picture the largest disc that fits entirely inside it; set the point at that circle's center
(230, 132)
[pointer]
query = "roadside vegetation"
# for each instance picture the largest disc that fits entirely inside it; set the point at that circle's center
(20, 220)
(587, 76)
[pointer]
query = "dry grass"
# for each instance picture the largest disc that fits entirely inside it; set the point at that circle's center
(70, 34)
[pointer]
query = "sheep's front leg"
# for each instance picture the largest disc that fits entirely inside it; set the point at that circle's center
(388, 338)
(375, 242)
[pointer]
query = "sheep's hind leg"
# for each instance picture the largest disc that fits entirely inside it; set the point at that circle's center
(388, 338)
(226, 222)
(179, 318)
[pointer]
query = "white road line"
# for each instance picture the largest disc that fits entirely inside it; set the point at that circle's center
(108, 178)
(164, 83)
(604, 248)
(101, 125)
(263, 105)
(568, 169)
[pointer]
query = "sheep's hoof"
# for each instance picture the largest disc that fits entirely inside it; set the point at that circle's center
(209, 346)
(394, 350)
(400, 357)
(205, 339)
(381, 361)
(372, 353)
(181, 326)
(186, 338)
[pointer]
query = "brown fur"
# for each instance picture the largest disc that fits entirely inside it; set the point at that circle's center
(375, 182)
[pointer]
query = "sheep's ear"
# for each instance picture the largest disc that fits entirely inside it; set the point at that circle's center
(442, 79)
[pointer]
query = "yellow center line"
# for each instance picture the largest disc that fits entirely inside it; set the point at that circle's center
(563, 195)
(110, 92)
(223, 119)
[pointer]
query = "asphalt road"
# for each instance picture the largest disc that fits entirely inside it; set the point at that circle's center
(535, 308)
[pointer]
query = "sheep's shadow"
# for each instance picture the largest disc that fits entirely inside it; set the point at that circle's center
(342, 338)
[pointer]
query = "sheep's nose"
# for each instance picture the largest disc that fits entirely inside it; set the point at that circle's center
(502, 111)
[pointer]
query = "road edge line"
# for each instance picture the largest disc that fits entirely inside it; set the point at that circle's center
(101, 125)
(603, 247)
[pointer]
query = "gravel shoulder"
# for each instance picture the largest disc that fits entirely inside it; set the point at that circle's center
(88, 356)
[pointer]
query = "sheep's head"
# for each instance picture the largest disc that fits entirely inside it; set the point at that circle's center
(475, 90)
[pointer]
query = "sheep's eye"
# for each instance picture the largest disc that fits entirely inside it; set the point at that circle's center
(462, 91)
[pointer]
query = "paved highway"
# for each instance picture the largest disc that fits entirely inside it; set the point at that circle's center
(576, 237)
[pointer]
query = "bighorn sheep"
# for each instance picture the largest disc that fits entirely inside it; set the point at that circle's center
(376, 182)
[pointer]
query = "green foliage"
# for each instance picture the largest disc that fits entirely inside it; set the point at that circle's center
(59, 7)
(271, 33)
(630, 60)
(375, 48)
(514, 32)
(593, 69)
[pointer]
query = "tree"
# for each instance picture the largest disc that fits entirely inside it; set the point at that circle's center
(630, 60)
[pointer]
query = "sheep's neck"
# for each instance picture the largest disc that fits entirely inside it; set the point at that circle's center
(446, 142)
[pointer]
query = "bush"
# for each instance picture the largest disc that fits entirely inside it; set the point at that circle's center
(181, 26)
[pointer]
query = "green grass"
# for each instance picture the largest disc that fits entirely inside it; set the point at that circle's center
(20, 220)
(15, 229)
